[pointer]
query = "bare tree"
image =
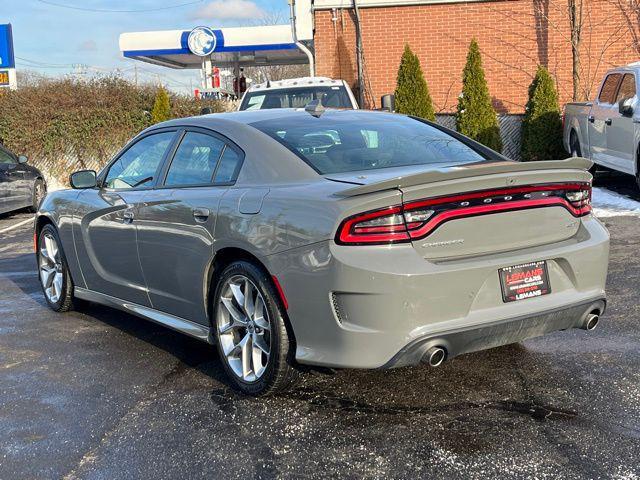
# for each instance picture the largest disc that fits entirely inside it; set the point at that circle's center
(576, 19)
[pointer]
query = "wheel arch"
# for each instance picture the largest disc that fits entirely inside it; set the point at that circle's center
(40, 222)
(224, 257)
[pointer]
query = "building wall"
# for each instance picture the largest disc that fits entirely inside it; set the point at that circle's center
(514, 37)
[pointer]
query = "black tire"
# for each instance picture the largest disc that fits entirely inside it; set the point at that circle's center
(574, 144)
(65, 300)
(576, 151)
(280, 372)
(39, 191)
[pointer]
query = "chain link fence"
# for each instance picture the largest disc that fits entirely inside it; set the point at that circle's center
(510, 131)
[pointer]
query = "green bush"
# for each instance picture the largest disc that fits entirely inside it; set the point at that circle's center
(475, 116)
(542, 123)
(161, 110)
(412, 93)
(64, 125)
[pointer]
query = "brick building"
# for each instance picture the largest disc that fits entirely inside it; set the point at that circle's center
(514, 36)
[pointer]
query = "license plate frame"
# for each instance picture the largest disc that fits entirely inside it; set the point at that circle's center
(524, 281)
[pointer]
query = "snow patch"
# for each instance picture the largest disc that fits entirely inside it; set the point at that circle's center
(606, 203)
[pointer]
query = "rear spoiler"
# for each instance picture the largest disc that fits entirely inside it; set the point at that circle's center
(465, 171)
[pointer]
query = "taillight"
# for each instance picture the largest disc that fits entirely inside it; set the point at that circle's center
(418, 219)
(386, 225)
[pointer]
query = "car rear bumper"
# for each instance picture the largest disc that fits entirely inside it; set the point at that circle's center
(379, 306)
(495, 334)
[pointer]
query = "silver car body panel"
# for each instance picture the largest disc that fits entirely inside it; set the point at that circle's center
(349, 306)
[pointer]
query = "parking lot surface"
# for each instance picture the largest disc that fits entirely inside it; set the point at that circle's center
(98, 394)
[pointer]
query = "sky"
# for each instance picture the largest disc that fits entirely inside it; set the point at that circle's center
(54, 36)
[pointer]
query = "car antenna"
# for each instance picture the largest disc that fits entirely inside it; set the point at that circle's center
(315, 108)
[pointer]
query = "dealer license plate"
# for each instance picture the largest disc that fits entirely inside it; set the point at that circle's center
(524, 281)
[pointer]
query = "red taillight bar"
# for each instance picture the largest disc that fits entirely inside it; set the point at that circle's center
(350, 233)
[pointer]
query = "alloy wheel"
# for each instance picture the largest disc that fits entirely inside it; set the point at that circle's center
(244, 329)
(51, 269)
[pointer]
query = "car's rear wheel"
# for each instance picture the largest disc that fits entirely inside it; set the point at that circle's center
(39, 191)
(576, 151)
(252, 338)
(55, 278)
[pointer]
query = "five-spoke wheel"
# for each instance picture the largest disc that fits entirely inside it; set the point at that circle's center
(52, 268)
(249, 322)
(243, 328)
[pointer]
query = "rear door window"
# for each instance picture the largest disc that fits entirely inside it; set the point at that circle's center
(609, 87)
(229, 166)
(195, 160)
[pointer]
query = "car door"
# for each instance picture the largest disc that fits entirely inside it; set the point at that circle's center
(12, 194)
(599, 118)
(177, 221)
(620, 134)
(106, 236)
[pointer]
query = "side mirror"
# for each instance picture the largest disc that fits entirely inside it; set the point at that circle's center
(388, 102)
(22, 159)
(625, 107)
(83, 179)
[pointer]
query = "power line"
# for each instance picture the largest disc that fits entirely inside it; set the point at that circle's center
(101, 10)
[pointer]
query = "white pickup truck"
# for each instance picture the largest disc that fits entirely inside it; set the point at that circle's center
(607, 130)
(297, 92)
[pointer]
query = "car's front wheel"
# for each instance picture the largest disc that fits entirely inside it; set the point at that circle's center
(252, 338)
(55, 278)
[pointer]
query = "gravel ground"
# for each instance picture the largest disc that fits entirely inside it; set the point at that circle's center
(98, 394)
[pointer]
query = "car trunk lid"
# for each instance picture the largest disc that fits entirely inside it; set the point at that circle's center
(482, 208)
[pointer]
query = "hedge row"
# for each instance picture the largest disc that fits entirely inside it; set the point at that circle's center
(64, 125)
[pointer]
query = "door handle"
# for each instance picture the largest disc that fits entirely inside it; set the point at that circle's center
(201, 215)
(127, 216)
(608, 121)
(591, 118)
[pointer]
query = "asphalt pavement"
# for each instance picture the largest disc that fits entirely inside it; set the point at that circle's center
(98, 394)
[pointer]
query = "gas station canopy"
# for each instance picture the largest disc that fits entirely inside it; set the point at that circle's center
(229, 47)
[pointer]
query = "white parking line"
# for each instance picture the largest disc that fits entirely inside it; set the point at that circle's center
(17, 225)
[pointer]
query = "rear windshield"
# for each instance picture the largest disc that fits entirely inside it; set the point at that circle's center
(334, 97)
(339, 143)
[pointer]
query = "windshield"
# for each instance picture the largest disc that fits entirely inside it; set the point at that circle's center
(334, 97)
(345, 143)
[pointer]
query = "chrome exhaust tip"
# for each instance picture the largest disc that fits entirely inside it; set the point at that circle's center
(591, 321)
(435, 356)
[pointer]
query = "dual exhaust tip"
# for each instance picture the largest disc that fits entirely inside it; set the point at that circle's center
(435, 356)
(591, 320)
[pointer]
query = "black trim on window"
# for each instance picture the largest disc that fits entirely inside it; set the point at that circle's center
(105, 171)
(212, 133)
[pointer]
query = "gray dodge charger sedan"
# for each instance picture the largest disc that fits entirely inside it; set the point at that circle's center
(346, 239)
